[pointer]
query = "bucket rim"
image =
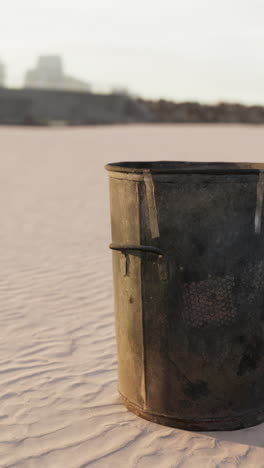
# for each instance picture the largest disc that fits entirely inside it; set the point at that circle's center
(183, 167)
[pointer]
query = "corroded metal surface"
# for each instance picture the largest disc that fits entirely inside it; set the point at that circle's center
(189, 292)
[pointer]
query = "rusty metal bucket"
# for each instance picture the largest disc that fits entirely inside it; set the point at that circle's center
(188, 264)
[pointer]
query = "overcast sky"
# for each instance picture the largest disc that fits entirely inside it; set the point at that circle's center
(208, 50)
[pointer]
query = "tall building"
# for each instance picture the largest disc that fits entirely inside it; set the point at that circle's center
(49, 73)
(2, 74)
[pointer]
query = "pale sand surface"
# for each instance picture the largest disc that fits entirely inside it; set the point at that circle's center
(58, 385)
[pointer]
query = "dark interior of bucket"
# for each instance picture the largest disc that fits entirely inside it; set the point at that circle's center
(183, 166)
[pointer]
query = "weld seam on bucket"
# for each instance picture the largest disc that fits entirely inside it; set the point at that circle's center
(260, 192)
(151, 201)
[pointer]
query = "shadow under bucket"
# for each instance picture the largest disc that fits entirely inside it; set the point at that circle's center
(188, 264)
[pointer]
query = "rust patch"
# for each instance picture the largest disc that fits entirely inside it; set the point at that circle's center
(196, 390)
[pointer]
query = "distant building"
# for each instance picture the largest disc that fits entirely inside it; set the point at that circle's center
(2, 75)
(49, 73)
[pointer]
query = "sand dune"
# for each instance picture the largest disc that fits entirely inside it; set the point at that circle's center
(58, 380)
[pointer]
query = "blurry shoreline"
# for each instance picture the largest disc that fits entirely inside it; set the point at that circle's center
(48, 107)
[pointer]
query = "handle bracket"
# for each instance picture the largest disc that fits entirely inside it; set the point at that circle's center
(140, 248)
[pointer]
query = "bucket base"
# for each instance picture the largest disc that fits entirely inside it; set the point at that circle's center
(241, 421)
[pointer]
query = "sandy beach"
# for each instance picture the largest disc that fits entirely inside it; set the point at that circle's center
(58, 386)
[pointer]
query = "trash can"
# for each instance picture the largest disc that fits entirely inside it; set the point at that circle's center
(188, 267)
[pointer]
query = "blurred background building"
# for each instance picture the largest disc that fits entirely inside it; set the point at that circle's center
(2, 74)
(49, 74)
